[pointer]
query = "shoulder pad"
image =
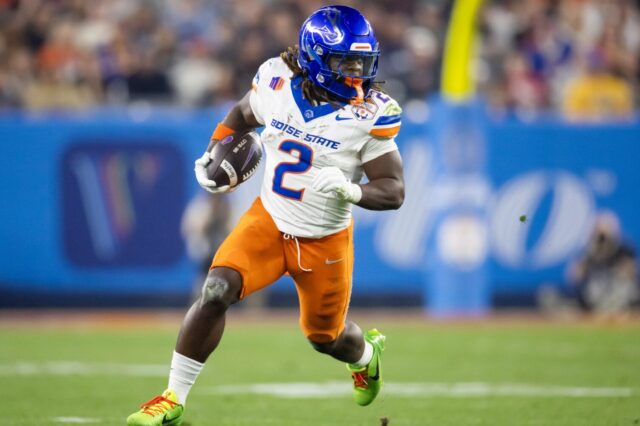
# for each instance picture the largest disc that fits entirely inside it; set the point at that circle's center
(386, 121)
(272, 73)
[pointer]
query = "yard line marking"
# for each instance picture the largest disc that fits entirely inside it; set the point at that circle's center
(317, 390)
(75, 420)
(454, 390)
(74, 368)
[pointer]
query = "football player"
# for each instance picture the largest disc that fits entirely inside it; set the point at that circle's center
(326, 125)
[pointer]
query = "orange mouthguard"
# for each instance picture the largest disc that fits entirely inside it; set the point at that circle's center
(356, 83)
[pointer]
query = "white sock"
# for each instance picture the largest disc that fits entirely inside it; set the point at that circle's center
(367, 354)
(183, 374)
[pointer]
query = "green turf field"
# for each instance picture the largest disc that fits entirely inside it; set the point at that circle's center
(437, 374)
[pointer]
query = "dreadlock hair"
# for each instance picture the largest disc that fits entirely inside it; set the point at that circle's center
(310, 91)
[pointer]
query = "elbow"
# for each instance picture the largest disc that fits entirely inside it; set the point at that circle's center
(397, 199)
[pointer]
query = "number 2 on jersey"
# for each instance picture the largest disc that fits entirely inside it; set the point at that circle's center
(305, 155)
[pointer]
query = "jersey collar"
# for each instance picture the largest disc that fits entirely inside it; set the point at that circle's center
(307, 110)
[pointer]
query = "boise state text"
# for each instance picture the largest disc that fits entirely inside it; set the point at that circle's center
(296, 133)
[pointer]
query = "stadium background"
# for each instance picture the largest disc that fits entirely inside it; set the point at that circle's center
(104, 105)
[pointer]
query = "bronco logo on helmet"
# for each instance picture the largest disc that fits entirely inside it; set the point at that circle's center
(329, 37)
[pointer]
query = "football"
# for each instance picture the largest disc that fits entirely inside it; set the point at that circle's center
(235, 159)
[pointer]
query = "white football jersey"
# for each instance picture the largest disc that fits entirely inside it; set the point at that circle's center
(299, 139)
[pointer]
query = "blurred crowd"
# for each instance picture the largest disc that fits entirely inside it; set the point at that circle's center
(602, 279)
(580, 57)
(576, 56)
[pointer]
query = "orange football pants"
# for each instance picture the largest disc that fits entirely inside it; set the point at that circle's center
(262, 254)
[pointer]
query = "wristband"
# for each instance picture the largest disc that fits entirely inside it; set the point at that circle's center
(221, 132)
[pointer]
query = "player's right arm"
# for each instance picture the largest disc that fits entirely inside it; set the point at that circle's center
(244, 116)
(240, 119)
(248, 113)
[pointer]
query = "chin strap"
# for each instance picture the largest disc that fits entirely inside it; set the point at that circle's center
(356, 83)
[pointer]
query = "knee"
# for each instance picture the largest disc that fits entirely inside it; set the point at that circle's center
(325, 347)
(350, 337)
(220, 290)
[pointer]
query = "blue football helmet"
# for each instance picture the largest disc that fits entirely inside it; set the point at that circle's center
(333, 36)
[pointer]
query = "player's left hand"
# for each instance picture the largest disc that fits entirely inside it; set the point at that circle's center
(332, 180)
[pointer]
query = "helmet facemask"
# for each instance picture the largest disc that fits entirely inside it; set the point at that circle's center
(355, 70)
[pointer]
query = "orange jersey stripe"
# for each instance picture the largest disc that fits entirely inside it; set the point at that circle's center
(385, 133)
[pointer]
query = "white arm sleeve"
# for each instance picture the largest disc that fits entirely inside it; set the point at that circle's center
(259, 89)
(374, 148)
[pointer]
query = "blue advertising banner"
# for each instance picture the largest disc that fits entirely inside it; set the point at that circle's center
(561, 176)
(91, 205)
(120, 199)
(457, 283)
